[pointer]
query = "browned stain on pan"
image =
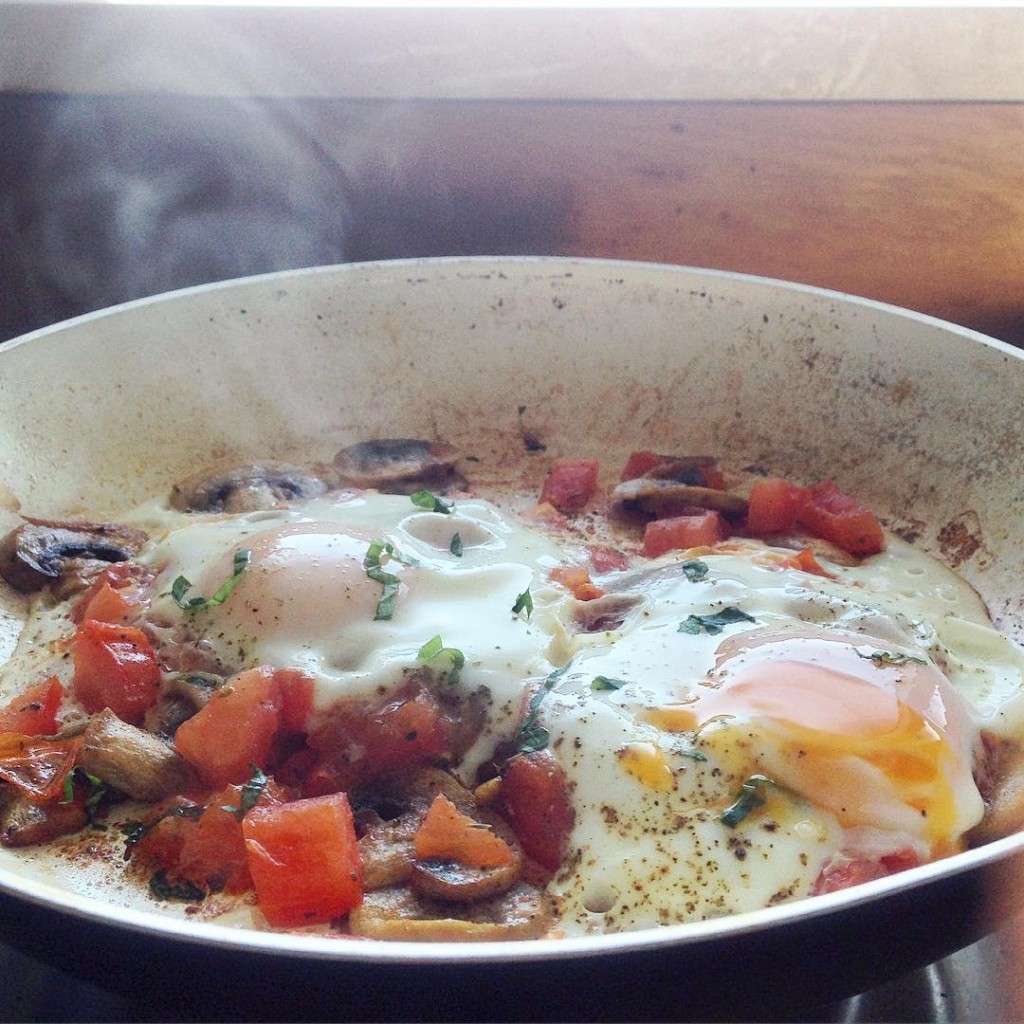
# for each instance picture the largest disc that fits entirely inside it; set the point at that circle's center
(960, 539)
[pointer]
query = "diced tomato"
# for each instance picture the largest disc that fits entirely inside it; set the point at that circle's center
(858, 871)
(537, 804)
(357, 741)
(116, 595)
(38, 767)
(640, 463)
(606, 559)
(696, 528)
(234, 730)
(451, 835)
(806, 562)
(34, 712)
(827, 512)
(304, 860)
(204, 845)
(577, 579)
(296, 699)
(772, 506)
(116, 668)
(570, 484)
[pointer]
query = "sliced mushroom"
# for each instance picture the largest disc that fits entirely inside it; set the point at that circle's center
(389, 816)
(69, 553)
(23, 822)
(398, 914)
(398, 465)
(999, 773)
(451, 881)
(661, 498)
(819, 547)
(181, 696)
(686, 469)
(131, 760)
(246, 488)
(608, 612)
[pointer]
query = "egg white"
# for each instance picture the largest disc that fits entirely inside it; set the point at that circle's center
(649, 844)
(306, 600)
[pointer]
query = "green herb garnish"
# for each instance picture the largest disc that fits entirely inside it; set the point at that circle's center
(377, 555)
(715, 622)
(883, 658)
(135, 831)
(751, 796)
(96, 789)
(531, 736)
(607, 683)
(524, 602)
(455, 547)
(431, 502)
(694, 570)
(184, 892)
(252, 790)
(449, 660)
(182, 585)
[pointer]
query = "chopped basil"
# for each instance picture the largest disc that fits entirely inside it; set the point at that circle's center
(252, 790)
(185, 892)
(531, 736)
(607, 683)
(695, 570)
(715, 622)
(455, 546)
(431, 502)
(883, 658)
(750, 797)
(450, 659)
(134, 831)
(692, 753)
(96, 792)
(376, 555)
(182, 585)
(524, 602)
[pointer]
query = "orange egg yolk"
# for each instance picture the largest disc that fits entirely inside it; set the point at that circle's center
(853, 730)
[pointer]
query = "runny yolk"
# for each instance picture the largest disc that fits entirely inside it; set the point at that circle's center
(857, 734)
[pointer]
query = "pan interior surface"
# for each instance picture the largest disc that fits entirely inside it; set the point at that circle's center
(517, 362)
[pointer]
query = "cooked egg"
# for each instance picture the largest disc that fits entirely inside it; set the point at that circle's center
(307, 600)
(730, 728)
(844, 710)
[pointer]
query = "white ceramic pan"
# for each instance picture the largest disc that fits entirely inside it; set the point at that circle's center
(518, 361)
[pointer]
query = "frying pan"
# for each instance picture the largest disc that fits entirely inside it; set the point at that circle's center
(519, 361)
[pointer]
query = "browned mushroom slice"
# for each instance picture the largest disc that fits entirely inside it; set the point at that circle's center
(608, 612)
(246, 488)
(389, 816)
(181, 696)
(686, 469)
(999, 773)
(23, 822)
(451, 881)
(132, 760)
(44, 551)
(398, 465)
(662, 498)
(398, 914)
(819, 547)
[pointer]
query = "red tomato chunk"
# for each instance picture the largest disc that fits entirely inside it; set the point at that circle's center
(570, 484)
(116, 668)
(304, 860)
(34, 712)
(701, 527)
(538, 806)
(234, 730)
(828, 513)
